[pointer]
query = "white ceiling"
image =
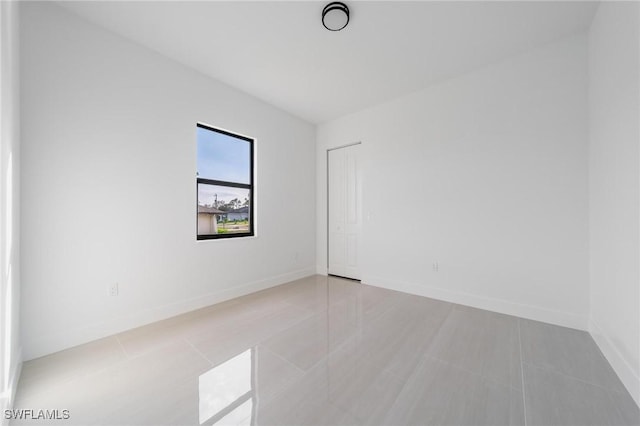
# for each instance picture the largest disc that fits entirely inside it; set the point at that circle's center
(281, 53)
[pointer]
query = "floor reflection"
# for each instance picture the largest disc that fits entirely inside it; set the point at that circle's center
(227, 391)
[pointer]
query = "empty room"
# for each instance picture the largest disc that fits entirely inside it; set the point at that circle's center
(320, 213)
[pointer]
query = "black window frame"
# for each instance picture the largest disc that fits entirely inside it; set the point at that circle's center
(250, 186)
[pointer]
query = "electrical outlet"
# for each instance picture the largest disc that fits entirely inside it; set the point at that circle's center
(435, 266)
(113, 289)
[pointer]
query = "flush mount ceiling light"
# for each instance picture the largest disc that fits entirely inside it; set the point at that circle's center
(335, 16)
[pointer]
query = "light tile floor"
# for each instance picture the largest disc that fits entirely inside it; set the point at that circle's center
(325, 351)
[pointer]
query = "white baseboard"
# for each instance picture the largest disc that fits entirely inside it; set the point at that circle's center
(496, 305)
(45, 345)
(621, 366)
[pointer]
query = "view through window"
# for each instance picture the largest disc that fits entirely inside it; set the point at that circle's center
(224, 184)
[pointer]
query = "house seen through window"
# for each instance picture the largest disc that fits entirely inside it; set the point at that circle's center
(224, 184)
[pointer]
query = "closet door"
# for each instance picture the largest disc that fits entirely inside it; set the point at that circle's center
(344, 211)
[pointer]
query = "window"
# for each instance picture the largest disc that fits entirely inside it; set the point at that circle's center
(224, 184)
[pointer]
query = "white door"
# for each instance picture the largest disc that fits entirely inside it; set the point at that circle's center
(344, 212)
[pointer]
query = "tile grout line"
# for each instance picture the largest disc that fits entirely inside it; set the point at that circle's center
(568, 376)
(126, 354)
(68, 380)
(488, 379)
(197, 351)
(524, 402)
(289, 383)
(418, 367)
(609, 392)
(277, 355)
(616, 406)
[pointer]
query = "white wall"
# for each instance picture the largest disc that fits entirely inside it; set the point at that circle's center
(614, 188)
(108, 186)
(485, 174)
(9, 204)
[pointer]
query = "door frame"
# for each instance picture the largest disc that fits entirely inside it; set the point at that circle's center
(327, 183)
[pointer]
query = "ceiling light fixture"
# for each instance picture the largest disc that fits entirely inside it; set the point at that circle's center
(335, 16)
